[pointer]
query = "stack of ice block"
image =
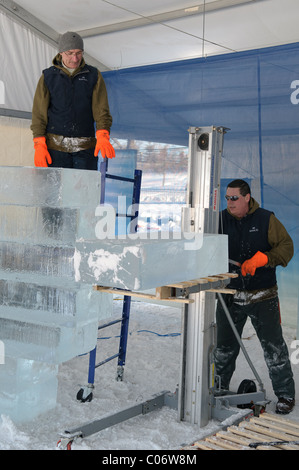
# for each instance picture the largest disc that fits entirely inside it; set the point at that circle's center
(49, 258)
(46, 316)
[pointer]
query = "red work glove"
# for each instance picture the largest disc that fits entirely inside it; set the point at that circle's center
(257, 261)
(41, 155)
(103, 144)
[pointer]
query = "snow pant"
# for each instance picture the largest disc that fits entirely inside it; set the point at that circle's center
(265, 318)
(82, 160)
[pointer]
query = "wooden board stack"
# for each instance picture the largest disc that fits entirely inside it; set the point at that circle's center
(266, 432)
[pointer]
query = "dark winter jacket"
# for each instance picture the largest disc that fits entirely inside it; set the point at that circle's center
(261, 231)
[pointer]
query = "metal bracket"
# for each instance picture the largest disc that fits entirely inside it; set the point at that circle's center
(165, 398)
(225, 406)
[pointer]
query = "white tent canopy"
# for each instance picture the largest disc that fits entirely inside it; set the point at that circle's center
(126, 33)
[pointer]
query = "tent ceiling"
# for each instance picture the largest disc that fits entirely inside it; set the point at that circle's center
(127, 33)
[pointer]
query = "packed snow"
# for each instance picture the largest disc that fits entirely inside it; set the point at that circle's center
(152, 366)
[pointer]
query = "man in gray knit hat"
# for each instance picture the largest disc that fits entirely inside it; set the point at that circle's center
(71, 119)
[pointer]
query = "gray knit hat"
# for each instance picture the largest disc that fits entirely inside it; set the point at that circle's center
(69, 41)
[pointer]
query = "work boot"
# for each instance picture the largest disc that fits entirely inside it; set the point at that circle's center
(284, 405)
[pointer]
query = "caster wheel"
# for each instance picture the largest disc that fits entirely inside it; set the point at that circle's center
(84, 395)
(246, 386)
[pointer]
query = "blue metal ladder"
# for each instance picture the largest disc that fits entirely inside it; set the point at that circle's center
(85, 394)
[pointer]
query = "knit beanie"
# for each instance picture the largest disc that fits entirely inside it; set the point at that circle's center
(69, 41)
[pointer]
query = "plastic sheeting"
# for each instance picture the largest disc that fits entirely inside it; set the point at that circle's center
(256, 95)
(23, 56)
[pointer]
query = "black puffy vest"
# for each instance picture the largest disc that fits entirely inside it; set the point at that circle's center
(70, 109)
(247, 236)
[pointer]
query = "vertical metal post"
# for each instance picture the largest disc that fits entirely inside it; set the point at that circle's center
(201, 216)
(123, 337)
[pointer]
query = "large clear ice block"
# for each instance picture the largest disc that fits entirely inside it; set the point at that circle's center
(47, 302)
(40, 260)
(46, 317)
(124, 164)
(50, 323)
(139, 264)
(53, 187)
(47, 225)
(53, 342)
(28, 388)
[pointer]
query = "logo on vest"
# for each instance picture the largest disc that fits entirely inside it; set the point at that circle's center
(83, 79)
(253, 229)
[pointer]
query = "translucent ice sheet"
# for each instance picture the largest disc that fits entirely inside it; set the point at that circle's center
(124, 164)
(47, 225)
(42, 302)
(139, 264)
(53, 342)
(54, 187)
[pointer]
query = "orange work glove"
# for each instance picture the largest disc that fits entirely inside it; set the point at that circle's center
(41, 155)
(257, 261)
(103, 144)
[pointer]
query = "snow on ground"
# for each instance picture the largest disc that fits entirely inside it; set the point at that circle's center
(153, 363)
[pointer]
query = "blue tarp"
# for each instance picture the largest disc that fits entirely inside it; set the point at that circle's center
(255, 95)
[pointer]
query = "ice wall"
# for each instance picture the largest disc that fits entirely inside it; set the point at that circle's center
(50, 255)
(46, 316)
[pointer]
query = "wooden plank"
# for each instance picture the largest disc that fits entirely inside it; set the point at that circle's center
(163, 292)
(222, 444)
(185, 284)
(244, 442)
(210, 279)
(279, 419)
(267, 432)
(222, 291)
(202, 444)
(231, 275)
(257, 437)
(203, 280)
(279, 426)
(179, 300)
(252, 436)
(199, 445)
(234, 438)
(141, 295)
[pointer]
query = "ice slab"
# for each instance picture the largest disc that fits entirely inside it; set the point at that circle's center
(124, 164)
(140, 264)
(48, 303)
(54, 187)
(53, 343)
(47, 225)
(50, 323)
(28, 388)
(41, 260)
